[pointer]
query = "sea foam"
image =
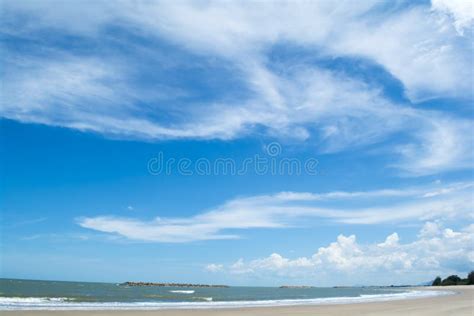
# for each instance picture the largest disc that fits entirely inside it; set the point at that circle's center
(62, 303)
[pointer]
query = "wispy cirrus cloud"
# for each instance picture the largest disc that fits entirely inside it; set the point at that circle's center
(290, 209)
(461, 12)
(445, 144)
(419, 45)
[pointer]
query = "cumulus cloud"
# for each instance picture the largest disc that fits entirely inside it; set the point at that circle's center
(443, 251)
(429, 229)
(289, 209)
(214, 267)
(391, 241)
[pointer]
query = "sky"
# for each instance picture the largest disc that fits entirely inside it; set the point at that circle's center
(237, 142)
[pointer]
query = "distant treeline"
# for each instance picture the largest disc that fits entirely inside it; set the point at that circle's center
(454, 280)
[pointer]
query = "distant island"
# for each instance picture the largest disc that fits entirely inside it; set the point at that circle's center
(296, 287)
(170, 284)
(454, 280)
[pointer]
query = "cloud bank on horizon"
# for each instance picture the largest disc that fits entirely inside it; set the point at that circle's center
(387, 78)
(437, 249)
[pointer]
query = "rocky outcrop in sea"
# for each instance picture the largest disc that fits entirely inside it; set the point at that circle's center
(170, 284)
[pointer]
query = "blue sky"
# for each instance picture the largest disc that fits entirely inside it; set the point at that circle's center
(376, 97)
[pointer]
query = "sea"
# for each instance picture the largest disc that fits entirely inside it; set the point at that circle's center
(60, 295)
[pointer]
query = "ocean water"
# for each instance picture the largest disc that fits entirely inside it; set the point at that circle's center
(58, 295)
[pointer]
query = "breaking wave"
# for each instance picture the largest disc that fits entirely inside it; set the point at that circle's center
(63, 303)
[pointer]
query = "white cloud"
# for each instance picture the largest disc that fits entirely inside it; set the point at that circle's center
(214, 267)
(407, 42)
(445, 145)
(419, 49)
(430, 229)
(292, 209)
(394, 262)
(170, 230)
(461, 11)
(391, 241)
(291, 99)
(88, 94)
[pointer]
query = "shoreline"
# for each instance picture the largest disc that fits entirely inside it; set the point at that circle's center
(461, 303)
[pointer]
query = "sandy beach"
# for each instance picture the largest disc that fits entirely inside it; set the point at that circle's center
(453, 305)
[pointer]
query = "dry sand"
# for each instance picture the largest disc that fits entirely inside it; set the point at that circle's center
(453, 305)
